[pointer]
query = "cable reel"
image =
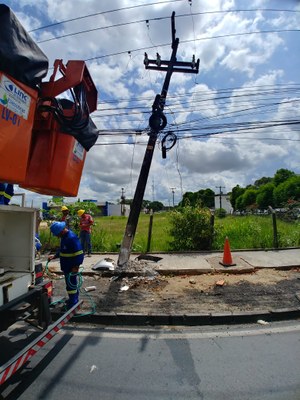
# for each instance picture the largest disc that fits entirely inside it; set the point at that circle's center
(157, 121)
(167, 143)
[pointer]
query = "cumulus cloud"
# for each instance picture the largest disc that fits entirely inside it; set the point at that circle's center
(237, 91)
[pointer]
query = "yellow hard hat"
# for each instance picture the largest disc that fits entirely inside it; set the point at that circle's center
(80, 212)
(64, 208)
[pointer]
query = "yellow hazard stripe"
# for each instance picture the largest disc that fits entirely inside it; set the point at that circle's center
(71, 254)
(7, 196)
(71, 291)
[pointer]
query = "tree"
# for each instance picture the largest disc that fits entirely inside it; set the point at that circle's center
(156, 206)
(57, 199)
(205, 197)
(239, 203)
(249, 198)
(189, 198)
(208, 197)
(287, 190)
(262, 181)
(282, 175)
(236, 192)
(265, 196)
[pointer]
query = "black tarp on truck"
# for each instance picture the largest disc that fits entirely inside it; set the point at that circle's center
(20, 56)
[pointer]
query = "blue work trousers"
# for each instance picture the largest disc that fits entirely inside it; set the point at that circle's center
(85, 239)
(72, 288)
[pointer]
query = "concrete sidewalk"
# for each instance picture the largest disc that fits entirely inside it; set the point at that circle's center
(195, 262)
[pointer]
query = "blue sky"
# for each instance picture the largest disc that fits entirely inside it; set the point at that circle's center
(232, 120)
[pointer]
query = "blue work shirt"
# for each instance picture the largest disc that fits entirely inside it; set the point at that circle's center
(70, 252)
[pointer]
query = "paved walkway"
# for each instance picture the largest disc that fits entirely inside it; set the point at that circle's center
(198, 262)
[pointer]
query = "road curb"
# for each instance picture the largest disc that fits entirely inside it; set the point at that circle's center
(189, 319)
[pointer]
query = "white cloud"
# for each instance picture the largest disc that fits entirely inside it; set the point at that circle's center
(229, 91)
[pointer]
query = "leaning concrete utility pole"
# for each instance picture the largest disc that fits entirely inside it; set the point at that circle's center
(157, 123)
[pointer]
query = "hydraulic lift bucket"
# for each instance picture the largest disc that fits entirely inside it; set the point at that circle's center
(17, 109)
(56, 162)
(56, 157)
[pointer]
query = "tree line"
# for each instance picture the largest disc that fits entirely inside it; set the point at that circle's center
(281, 190)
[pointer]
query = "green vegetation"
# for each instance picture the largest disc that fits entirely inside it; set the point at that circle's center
(220, 213)
(254, 232)
(283, 190)
(191, 229)
(189, 226)
(244, 232)
(205, 197)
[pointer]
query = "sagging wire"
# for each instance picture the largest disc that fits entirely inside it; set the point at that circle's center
(176, 140)
(178, 169)
(167, 143)
(148, 33)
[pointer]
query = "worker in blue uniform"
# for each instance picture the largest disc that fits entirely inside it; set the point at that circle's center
(71, 257)
(6, 192)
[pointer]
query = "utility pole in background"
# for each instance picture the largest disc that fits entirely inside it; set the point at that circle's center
(157, 123)
(122, 202)
(220, 194)
(153, 190)
(173, 192)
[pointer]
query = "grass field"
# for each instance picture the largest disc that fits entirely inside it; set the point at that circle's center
(244, 232)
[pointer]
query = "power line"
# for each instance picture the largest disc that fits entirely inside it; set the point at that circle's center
(210, 137)
(191, 40)
(242, 91)
(102, 13)
(147, 21)
(156, 19)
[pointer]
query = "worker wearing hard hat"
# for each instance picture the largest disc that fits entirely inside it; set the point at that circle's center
(71, 257)
(66, 217)
(85, 224)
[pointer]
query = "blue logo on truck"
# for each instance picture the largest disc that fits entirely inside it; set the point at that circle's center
(14, 90)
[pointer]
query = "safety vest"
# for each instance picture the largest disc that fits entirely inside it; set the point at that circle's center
(70, 252)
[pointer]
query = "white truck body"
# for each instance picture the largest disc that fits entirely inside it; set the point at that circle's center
(24, 296)
(17, 251)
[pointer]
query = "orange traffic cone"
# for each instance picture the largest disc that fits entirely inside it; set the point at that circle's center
(227, 259)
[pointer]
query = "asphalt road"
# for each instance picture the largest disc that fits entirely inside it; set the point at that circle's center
(209, 363)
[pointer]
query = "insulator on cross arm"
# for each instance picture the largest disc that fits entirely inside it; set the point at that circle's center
(193, 62)
(158, 59)
(146, 59)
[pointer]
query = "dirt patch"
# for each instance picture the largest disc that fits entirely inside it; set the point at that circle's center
(263, 289)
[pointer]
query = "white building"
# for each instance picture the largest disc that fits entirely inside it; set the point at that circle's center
(223, 202)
